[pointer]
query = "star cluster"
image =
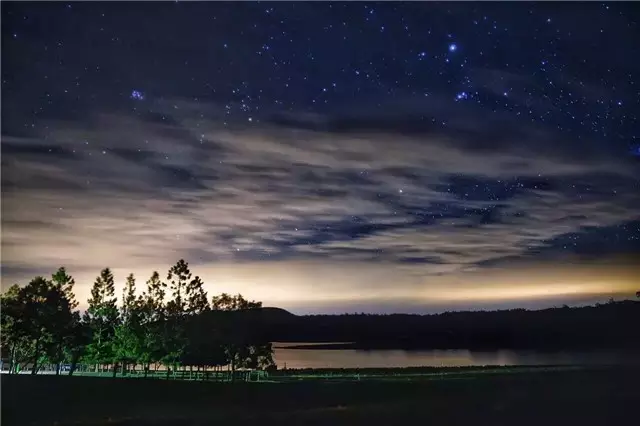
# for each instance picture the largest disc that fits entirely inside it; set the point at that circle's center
(439, 139)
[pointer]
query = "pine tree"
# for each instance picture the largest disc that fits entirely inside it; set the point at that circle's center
(102, 319)
(65, 282)
(152, 317)
(128, 335)
(197, 302)
(178, 277)
(65, 319)
(155, 294)
(174, 335)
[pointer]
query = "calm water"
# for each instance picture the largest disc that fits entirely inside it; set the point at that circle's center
(347, 358)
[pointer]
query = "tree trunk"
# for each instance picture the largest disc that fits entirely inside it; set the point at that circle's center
(74, 362)
(12, 361)
(115, 369)
(58, 366)
(34, 367)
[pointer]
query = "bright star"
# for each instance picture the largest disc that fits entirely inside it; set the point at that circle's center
(453, 47)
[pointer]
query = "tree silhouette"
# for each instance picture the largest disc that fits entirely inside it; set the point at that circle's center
(62, 321)
(102, 319)
(65, 283)
(40, 323)
(65, 319)
(242, 348)
(36, 320)
(173, 337)
(14, 337)
(178, 278)
(197, 302)
(76, 342)
(48, 314)
(128, 334)
(225, 302)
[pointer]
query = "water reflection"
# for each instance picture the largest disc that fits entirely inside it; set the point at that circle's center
(348, 358)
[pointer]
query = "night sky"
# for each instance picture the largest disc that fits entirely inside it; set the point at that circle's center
(327, 157)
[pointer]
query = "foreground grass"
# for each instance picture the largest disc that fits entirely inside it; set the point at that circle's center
(549, 397)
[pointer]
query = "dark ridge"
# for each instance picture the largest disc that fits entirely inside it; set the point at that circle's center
(603, 326)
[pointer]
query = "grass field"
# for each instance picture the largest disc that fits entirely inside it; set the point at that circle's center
(603, 396)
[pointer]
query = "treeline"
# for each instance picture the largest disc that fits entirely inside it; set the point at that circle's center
(171, 323)
(611, 325)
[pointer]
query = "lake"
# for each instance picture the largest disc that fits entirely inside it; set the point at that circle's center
(350, 358)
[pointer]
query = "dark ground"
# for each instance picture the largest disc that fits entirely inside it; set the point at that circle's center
(590, 397)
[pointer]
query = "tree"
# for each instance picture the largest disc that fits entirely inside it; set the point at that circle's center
(242, 347)
(65, 283)
(14, 337)
(203, 348)
(102, 319)
(64, 319)
(34, 298)
(225, 302)
(129, 301)
(174, 339)
(152, 315)
(128, 334)
(197, 302)
(76, 342)
(37, 321)
(178, 277)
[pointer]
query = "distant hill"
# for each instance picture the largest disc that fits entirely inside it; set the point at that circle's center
(277, 313)
(609, 325)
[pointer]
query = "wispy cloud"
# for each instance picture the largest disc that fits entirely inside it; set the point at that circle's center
(140, 190)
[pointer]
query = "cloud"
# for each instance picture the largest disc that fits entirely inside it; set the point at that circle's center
(141, 191)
